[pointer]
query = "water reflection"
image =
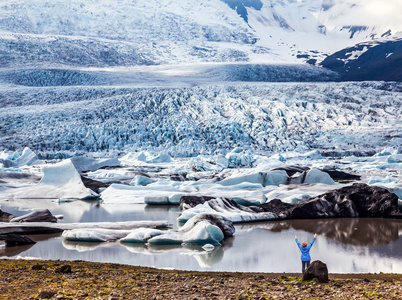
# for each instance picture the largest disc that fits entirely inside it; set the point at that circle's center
(14, 251)
(357, 232)
(362, 245)
(84, 246)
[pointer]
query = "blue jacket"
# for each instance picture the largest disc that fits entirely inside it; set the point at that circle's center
(305, 250)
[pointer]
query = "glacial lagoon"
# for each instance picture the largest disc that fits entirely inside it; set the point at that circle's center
(345, 245)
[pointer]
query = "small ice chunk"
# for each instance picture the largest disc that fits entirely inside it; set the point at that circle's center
(141, 180)
(394, 159)
(161, 158)
(317, 176)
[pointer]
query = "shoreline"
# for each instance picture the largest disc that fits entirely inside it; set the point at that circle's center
(46, 279)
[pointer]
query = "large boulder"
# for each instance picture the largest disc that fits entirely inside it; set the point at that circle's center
(318, 270)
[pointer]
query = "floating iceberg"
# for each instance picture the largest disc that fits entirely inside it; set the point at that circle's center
(389, 183)
(141, 235)
(28, 157)
(293, 193)
(394, 159)
(202, 229)
(120, 193)
(227, 209)
(214, 164)
(161, 158)
(94, 235)
(270, 178)
(317, 176)
(132, 157)
(141, 180)
(83, 163)
(240, 158)
(60, 180)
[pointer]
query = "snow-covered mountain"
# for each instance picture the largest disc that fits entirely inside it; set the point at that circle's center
(374, 60)
(101, 33)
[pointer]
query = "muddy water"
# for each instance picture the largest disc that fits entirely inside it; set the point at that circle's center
(345, 245)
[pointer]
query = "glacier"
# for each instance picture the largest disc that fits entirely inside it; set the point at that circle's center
(188, 121)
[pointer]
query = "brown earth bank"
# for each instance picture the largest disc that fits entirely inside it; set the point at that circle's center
(38, 279)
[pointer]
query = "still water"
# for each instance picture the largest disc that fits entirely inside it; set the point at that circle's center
(345, 245)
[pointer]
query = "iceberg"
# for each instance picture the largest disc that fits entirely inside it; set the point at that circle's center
(201, 230)
(390, 184)
(83, 163)
(317, 176)
(394, 159)
(60, 180)
(120, 193)
(28, 157)
(94, 235)
(276, 177)
(132, 157)
(161, 158)
(227, 209)
(240, 158)
(141, 180)
(141, 235)
(293, 193)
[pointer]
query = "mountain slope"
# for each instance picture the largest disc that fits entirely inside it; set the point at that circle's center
(53, 33)
(379, 60)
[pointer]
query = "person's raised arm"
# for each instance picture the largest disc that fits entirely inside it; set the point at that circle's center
(312, 242)
(297, 242)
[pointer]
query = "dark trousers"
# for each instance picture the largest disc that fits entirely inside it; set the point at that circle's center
(304, 264)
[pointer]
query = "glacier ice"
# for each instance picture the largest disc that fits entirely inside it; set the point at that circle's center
(332, 117)
(199, 230)
(26, 158)
(83, 163)
(60, 180)
(141, 235)
(141, 180)
(317, 176)
(227, 210)
(94, 235)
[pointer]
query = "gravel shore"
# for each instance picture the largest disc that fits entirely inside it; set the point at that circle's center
(38, 279)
